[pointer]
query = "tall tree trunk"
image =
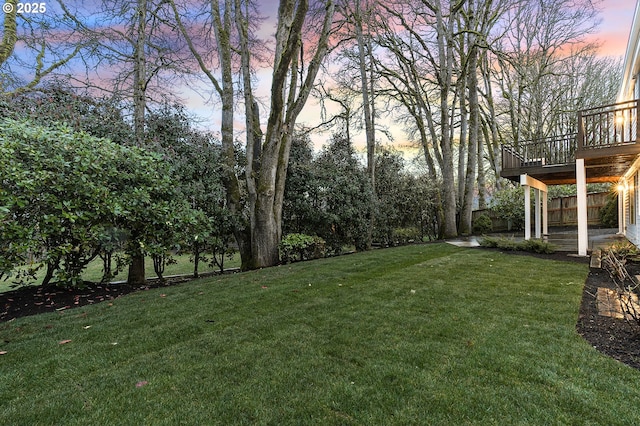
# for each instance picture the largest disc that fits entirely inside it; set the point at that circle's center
(490, 129)
(367, 105)
(136, 268)
(472, 151)
(445, 53)
(140, 74)
(464, 125)
(136, 273)
(287, 101)
(482, 181)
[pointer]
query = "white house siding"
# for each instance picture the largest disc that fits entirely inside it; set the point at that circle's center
(629, 90)
(630, 198)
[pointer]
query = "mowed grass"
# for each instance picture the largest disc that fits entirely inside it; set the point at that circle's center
(429, 334)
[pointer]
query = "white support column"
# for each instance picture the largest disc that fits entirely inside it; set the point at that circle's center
(527, 212)
(537, 212)
(545, 217)
(528, 182)
(581, 189)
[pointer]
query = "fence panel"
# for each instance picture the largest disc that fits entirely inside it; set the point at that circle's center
(561, 211)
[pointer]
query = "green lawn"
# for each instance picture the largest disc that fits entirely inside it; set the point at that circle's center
(429, 334)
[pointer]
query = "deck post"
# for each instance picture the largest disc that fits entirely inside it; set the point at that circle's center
(545, 217)
(527, 212)
(528, 182)
(538, 206)
(581, 189)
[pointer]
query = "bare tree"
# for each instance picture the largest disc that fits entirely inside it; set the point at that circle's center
(541, 36)
(289, 93)
(48, 41)
(291, 84)
(428, 36)
(480, 16)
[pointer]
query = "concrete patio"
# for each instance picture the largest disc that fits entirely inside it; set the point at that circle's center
(564, 239)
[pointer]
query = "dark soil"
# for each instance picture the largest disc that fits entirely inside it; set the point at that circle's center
(613, 337)
(34, 300)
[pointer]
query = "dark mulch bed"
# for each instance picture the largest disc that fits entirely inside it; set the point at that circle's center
(613, 337)
(34, 300)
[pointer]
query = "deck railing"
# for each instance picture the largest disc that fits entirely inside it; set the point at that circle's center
(608, 126)
(554, 150)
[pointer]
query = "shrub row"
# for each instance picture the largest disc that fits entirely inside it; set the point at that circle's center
(533, 245)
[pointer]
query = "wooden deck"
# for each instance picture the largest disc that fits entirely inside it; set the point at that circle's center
(607, 139)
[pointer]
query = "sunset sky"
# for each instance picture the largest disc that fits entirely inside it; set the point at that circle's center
(613, 34)
(616, 23)
(616, 17)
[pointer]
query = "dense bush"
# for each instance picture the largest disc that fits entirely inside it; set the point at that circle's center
(609, 213)
(404, 236)
(63, 191)
(482, 224)
(301, 247)
(508, 204)
(404, 201)
(328, 195)
(195, 159)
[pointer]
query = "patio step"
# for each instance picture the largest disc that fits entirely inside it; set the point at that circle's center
(596, 259)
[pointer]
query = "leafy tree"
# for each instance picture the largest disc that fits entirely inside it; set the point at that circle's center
(508, 205)
(301, 211)
(609, 213)
(389, 193)
(63, 190)
(56, 102)
(405, 201)
(195, 158)
(328, 196)
(344, 195)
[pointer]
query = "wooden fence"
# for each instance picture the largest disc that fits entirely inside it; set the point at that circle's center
(561, 211)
